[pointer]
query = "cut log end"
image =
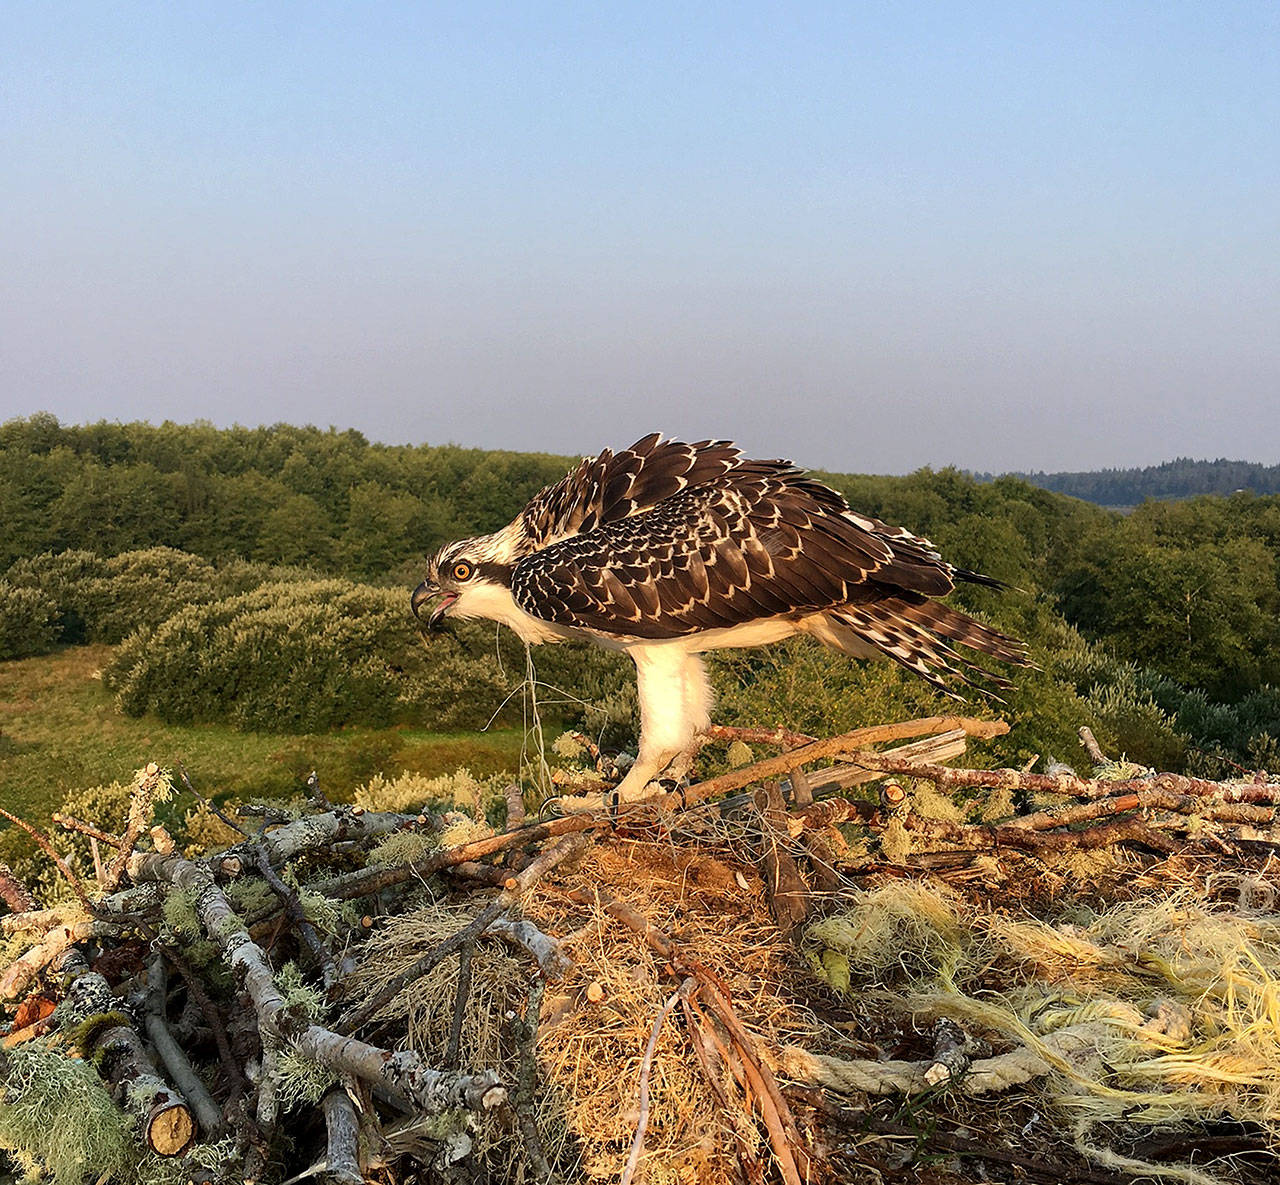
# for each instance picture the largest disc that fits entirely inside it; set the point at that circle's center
(171, 1129)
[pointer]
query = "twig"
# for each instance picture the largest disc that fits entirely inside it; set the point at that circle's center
(642, 1123)
(13, 892)
(982, 1149)
(526, 1034)
(20, 973)
(1008, 836)
(849, 742)
(401, 1073)
(788, 1146)
(783, 738)
(515, 804)
(516, 887)
(1068, 785)
(788, 894)
(383, 876)
(206, 1111)
(461, 996)
(208, 802)
(195, 990)
(294, 912)
(141, 809)
(167, 1122)
(47, 847)
(71, 823)
(342, 1162)
(1091, 746)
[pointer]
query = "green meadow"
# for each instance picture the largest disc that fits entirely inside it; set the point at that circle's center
(60, 731)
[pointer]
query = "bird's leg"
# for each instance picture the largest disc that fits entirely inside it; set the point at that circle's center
(675, 703)
(675, 709)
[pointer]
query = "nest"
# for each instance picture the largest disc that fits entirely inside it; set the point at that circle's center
(749, 988)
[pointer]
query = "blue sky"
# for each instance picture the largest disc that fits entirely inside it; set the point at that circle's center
(868, 236)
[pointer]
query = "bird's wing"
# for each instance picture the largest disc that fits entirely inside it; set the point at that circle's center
(614, 486)
(768, 543)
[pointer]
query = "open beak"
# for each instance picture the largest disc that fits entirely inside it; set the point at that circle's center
(425, 592)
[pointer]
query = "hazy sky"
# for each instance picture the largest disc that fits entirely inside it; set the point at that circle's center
(867, 236)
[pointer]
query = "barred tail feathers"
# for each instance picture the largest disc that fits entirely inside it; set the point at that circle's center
(912, 634)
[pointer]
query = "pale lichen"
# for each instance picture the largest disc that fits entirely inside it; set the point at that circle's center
(58, 1121)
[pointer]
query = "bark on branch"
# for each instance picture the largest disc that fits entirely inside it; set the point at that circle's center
(403, 1073)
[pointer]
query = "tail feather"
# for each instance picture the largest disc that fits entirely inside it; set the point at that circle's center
(959, 627)
(967, 577)
(912, 634)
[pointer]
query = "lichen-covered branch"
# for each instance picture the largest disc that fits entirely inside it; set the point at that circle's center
(107, 1037)
(174, 1057)
(847, 743)
(153, 785)
(384, 876)
(1069, 785)
(342, 1162)
(317, 831)
(402, 1073)
(22, 971)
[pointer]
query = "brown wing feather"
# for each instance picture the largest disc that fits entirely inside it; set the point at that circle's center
(614, 486)
(767, 543)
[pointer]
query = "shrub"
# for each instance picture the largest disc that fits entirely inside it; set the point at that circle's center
(105, 600)
(28, 621)
(306, 656)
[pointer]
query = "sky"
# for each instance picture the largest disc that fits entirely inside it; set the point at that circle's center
(866, 236)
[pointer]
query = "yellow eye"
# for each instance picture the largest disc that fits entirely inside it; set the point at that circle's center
(462, 570)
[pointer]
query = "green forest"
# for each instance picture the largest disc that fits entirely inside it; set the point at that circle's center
(1182, 477)
(259, 578)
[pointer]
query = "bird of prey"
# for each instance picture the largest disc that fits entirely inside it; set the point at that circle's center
(666, 550)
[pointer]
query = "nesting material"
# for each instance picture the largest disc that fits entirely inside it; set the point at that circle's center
(1153, 1012)
(596, 1022)
(591, 1053)
(425, 1008)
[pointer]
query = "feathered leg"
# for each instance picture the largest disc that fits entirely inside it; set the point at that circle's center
(675, 703)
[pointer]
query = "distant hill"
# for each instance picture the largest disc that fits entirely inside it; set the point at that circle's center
(1179, 478)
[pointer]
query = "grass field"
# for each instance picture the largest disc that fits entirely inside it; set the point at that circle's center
(60, 730)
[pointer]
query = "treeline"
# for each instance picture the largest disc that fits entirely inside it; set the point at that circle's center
(261, 576)
(278, 495)
(1179, 478)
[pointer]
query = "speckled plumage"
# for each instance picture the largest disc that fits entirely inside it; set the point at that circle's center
(690, 547)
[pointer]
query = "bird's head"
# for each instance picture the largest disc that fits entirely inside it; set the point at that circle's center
(466, 578)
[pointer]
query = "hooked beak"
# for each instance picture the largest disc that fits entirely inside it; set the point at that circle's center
(424, 593)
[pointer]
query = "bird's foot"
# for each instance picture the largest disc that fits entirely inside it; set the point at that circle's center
(573, 804)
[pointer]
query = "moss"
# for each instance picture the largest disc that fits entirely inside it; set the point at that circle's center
(226, 928)
(895, 841)
(461, 830)
(997, 805)
(250, 895)
(322, 912)
(569, 746)
(400, 847)
(932, 804)
(86, 1035)
(300, 1080)
(299, 996)
(441, 1126)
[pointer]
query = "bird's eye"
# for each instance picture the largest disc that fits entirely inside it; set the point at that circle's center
(462, 570)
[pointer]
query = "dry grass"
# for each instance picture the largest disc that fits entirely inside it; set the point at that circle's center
(596, 1023)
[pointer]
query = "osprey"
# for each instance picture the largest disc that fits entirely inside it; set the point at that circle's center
(666, 550)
